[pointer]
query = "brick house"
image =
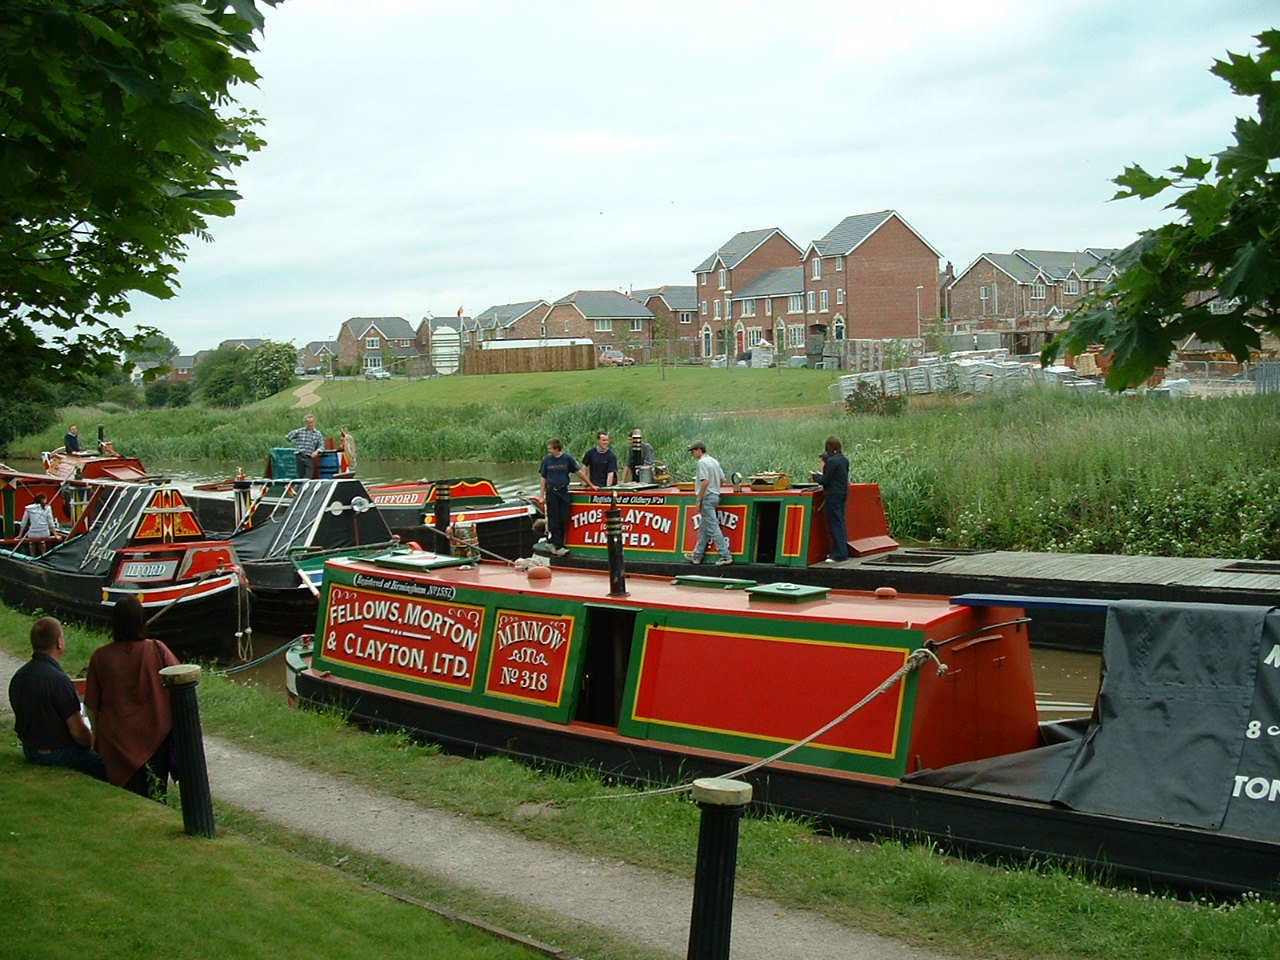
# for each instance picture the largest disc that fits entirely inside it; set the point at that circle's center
(511, 321)
(743, 258)
(606, 317)
(183, 367)
(242, 343)
(318, 354)
(1025, 295)
(871, 277)
(675, 311)
(372, 343)
(771, 307)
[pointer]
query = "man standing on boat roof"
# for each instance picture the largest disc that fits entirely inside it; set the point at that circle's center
(556, 469)
(307, 441)
(601, 462)
(834, 480)
(639, 459)
(706, 484)
(46, 710)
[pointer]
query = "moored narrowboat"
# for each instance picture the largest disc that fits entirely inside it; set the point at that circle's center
(873, 712)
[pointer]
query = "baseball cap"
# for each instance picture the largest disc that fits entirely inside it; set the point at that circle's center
(698, 445)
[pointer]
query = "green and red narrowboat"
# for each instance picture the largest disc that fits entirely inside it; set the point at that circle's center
(873, 712)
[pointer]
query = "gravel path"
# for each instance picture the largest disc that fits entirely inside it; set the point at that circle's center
(640, 906)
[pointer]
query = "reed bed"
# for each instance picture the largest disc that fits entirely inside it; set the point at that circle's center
(1031, 470)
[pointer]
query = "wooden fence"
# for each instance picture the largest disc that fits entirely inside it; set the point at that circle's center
(529, 359)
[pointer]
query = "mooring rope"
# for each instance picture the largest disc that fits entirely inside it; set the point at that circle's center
(914, 661)
(240, 667)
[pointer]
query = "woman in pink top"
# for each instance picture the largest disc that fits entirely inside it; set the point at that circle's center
(128, 705)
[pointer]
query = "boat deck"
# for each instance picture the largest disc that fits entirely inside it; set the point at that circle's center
(946, 572)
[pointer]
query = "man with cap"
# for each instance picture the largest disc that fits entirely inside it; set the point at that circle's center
(706, 484)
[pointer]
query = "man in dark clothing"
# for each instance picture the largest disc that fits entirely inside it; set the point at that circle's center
(601, 462)
(557, 467)
(46, 710)
(71, 442)
(834, 479)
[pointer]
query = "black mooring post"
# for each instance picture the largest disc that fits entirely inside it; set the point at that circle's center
(193, 773)
(722, 802)
(442, 518)
(613, 540)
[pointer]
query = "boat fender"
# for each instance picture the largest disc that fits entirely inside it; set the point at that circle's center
(415, 546)
(539, 573)
(886, 593)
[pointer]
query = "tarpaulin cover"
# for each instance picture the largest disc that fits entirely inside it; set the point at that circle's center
(1186, 729)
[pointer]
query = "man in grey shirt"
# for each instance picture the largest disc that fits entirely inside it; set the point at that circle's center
(706, 484)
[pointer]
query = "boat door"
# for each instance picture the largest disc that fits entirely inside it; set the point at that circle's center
(766, 520)
(608, 634)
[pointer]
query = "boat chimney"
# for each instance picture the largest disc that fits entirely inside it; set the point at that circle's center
(613, 540)
(442, 513)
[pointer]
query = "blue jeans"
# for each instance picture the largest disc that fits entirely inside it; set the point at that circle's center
(709, 528)
(77, 758)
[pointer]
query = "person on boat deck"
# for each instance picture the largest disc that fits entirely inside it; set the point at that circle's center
(307, 441)
(71, 442)
(601, 462)
(46, 710)
(706, 484)
(556, 469)
(38, 525)
(130, 706)
(348, 447)
(639, 455)
(834, 480)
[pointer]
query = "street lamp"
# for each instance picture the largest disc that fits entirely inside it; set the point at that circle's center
(919, 289)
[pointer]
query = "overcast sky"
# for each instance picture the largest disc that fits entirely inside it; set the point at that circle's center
(424, 156)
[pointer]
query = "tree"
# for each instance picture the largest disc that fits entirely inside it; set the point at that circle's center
(270, 368)
(221, 378)
(118, 135)
(1215, 271)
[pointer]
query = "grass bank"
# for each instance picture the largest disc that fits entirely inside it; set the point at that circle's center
(1029, 470)
(912, 893)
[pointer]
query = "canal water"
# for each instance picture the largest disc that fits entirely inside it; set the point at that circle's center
(1066, 681)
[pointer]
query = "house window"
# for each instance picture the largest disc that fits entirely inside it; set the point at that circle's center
(1037, 291)
(984, 292)
(717, 309)
(809, 301)
(722, 273)
(754, 336)
(795, 303)
(824, 300)
(542, 329)
(839, 263)
(604, 325)
(704, 308)
(686, 316)
(768, 306)
(637, 324)
(795, 336)
(373, 343)
(748, 308)
(817, 268)
(702, 279)
(1071, 286)
(840, 295)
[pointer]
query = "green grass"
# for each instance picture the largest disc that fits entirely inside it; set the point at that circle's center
(93, 871)
(913, 893)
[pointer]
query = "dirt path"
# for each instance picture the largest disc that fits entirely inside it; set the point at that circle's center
(307, 394)
(640, 906)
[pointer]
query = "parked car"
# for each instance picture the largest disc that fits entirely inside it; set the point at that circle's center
(615, 358)
(378, 373)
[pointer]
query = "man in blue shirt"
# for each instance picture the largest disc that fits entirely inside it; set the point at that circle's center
(46, 710)
(556, 469)
(601, 462)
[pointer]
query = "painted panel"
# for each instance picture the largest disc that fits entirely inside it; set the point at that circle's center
(649, 525)
(530, 656)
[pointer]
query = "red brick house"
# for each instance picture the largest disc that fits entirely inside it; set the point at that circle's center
(510, 321)
(733, 266)
(606, 317)
(872, 277)
(1025, 295)
(372, 343)
(317, 355)
(771, 307)
(675, 312)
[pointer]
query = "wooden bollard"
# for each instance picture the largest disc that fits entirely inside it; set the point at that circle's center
(188, 741)
(722, 802)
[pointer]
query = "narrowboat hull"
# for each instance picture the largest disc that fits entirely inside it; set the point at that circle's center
(650, 679)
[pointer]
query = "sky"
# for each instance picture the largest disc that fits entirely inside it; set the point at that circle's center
(424, 156)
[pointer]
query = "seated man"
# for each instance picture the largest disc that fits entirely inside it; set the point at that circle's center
(46, 710)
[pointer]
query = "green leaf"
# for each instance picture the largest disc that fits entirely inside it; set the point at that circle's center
(1138, 183)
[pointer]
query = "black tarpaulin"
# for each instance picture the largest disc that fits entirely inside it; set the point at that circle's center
(1183, 730)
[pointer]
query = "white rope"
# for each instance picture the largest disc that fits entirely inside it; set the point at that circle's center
(914, 661)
